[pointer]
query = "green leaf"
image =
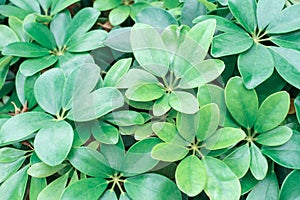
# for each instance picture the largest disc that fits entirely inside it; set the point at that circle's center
(161, 106)
(168, 133)
(266, 189)
(287, 64)
(119, 39)
(241, 102)
(245, 13)
(258, 163)
(30, 123)
(286, 155)
(58, 26)
(58, 6)
(125, 118)
(41, 170)
(279, 25)
(45, 4)
(106, 4)
(141, 92)
(54, 190)
(81, 23)
(275, 137)
(156, 17)
(290, 187)
(15, 186)
(7, 36)
(191, 9)
(171, 3)
(80, 82)
(117, 72)
(105, 133)
(149, 49)
(4, 68)
(109, 195)
(89, 162)
(270, 116)
(135, 77)
(266, 13)
(169, 152)
(138, 158)
(288, 40)
(53, 142)
(239, 160)
(230, 43)
(96, 104)
(225, 137)
(87, 42)
(89, 189)
(8, 154)
(124, 196)
(221, 182)
(31, 66)
(250, 62)
(7, 169)
(10, 10)
(208, 119)
(31, 6)
(152, 186)
(36, 186)
(248, 182)
(137, 7)
(204, 72)
(25, 49)
(184, 102)
(191, 176)
(48, 90)
(119, 15)
(41, 34)
(114, 153)
(297, 107)
(186, 126)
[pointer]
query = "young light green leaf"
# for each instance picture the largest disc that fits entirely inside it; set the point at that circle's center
(96, 104)
(225, 137)
(287, 15)
(105, 133)
(221, 182)
(184, 102)
(186, 126)
(207, 121)
(119, 39)
(41, 34)
(275, 137)
(89, 189)
(7, 169)
(31, 66)
(54, 190)
(258, 163)
(266, 189)
(25, 49)
(109, 195)
(141, 92)
(119, 15)
(125, 118)
(169, 152)
(58, 6)
(8, 154)
(239, 160)
(36, 186)
(190, 176)
(13, 11)
(266, 13)
(270, 116)
(288, 40)
(57, 26)
(250, 62)
(290, 187)
(53, 142)
(117, 72)
(15, 186)
(241, 102)
(30, 123)
(41, 170)
(168, 133)
(90, 162)
(149, 49)
(106, 4)
(5, 62)
(48, 90)
(286, 155)
(7, 36)
(230, 43)
(138, 158)
(153, 186)
(161, 106)
(245, 13)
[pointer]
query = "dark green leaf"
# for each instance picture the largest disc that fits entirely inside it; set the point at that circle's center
(152, 186)
(290, 187)
(25, 49)
(10, 10)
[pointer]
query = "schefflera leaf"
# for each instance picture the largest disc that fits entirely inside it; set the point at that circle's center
(53, 142)
(241, 102)
(190, 175)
